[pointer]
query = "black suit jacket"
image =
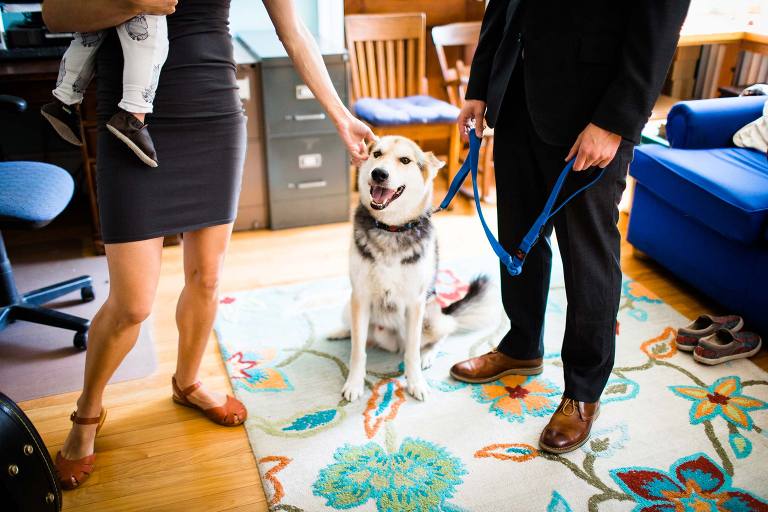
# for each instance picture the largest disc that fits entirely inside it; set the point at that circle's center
(599, 61)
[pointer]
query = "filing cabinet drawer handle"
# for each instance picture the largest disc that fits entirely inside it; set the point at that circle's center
(308, 184)
(306, 117)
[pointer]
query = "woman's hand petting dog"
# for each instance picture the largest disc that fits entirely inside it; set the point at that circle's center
(356, 136)
(594, 147)
(473, 110)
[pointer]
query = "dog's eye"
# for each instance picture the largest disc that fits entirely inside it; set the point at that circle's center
(376, 154)
(405, 160)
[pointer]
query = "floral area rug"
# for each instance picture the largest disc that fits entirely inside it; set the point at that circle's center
(673, 435)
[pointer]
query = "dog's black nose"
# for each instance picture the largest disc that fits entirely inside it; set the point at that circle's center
(379, 175)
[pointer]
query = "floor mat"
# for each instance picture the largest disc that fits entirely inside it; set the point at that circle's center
(36, 360)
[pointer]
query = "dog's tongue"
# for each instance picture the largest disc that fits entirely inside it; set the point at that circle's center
(381, 194)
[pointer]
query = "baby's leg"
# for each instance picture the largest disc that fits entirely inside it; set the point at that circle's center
(76, 69)
(144, 40)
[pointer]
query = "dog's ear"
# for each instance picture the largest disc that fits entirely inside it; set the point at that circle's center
(370, 145)
(432, 162)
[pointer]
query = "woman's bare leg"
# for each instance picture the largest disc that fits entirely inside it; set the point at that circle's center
(204, 252)
(133, 273)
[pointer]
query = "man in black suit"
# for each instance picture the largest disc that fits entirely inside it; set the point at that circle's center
(561, 80)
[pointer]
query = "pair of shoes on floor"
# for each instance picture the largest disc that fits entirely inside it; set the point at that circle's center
(718, 339)
(65, 119)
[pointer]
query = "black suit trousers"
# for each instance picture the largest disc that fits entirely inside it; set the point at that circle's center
(588, 239)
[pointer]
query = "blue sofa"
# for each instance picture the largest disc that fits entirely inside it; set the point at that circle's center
(700, 207)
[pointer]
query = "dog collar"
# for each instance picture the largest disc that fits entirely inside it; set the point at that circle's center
(397, 229)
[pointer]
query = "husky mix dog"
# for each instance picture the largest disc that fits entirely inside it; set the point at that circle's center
(393, 267)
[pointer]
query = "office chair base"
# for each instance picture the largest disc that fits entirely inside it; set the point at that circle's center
(29, 308)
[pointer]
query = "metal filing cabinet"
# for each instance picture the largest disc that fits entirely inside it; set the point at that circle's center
(252, 211)
(307, 164)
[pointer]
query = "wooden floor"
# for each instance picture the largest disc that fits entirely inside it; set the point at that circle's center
(153, 455)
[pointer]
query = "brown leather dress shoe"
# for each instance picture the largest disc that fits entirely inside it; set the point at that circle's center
(569, 426)
(493, 366)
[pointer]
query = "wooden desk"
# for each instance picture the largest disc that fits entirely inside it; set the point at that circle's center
(33, 80)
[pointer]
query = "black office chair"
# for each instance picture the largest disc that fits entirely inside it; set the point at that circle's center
(32, 194)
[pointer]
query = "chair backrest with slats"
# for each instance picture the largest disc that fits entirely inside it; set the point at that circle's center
(387, 54)
(456, 74)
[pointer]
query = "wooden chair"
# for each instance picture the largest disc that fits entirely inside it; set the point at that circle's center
(387, 54)
(461, 40)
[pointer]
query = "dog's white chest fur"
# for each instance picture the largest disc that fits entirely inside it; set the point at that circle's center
(398, 274)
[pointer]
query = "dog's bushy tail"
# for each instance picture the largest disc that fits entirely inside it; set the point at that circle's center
(478, 308)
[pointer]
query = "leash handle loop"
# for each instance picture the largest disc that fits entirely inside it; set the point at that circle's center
(513, 264)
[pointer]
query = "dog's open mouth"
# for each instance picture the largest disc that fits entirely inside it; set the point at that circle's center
(381, 196)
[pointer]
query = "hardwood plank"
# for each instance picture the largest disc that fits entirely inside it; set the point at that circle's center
(246, 498)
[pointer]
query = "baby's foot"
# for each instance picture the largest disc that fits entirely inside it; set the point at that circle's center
(64, 119)
(129, 129)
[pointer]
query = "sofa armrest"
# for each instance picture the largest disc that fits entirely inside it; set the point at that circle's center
(706, 124)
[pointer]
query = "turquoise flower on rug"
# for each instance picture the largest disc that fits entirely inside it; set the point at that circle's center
(514, 397)
(692, 483)
(722, 398)
(419, 476)
(605, 442)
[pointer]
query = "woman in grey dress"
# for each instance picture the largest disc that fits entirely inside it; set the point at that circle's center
(199, 132)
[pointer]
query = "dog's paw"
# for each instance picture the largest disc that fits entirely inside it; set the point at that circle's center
(418, 388)
(353, 389)
(427, 359)
(341, 334)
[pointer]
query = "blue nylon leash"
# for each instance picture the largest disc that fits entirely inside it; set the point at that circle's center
(514, 264)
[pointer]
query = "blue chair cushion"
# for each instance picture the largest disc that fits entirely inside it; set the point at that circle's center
(725, 189)
(408, 110)
(32, 193)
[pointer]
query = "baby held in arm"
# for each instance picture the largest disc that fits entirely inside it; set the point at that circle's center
(144, 41)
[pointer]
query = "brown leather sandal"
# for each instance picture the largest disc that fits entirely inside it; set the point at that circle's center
(74, 473)
(231, 414)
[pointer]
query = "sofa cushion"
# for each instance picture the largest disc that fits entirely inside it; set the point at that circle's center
(408, 110)
(725, 189)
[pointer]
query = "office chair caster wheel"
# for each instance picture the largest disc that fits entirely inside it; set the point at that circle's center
(87, 294)
(81, 340)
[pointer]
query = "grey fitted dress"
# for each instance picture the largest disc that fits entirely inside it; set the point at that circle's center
(198, 128)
